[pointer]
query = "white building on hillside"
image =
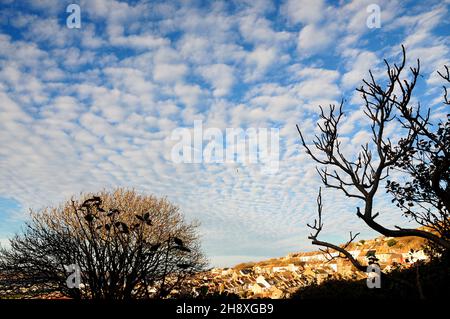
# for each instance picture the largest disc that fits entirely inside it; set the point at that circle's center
(415, 256)
(262, 281)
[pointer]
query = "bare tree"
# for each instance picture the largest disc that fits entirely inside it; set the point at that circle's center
(126, 246)
(422, 154)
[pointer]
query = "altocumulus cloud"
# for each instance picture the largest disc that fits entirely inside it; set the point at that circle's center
(92, 108)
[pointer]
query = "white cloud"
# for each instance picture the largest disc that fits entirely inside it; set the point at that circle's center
(220, 76)
(317, 83)
(258, 30)
(95, 108)
(188, 94)
(259, 60)
(304, 11)
(195, 48)
(142, 41)
(169, 72)
(359, 69)
(312, 39)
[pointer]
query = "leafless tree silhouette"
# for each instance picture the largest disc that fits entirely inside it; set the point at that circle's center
(126, 245)
(422, 154)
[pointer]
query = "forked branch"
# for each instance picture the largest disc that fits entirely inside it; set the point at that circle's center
(317, 228)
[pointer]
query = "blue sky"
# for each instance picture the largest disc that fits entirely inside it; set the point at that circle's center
(93, 108)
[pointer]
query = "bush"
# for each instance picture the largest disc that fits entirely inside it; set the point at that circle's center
(122, 244)
(391, 242)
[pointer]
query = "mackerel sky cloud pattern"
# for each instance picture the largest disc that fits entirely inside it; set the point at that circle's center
(92, 108)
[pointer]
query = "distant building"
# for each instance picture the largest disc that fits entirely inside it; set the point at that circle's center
(257, 288)
(245, 272)
(261, 280)
(414, 256)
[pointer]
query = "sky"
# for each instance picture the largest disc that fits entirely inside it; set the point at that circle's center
(92, 108)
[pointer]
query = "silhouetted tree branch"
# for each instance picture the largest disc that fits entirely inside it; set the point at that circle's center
(317, 228)
(126, 245)
(422, 154)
